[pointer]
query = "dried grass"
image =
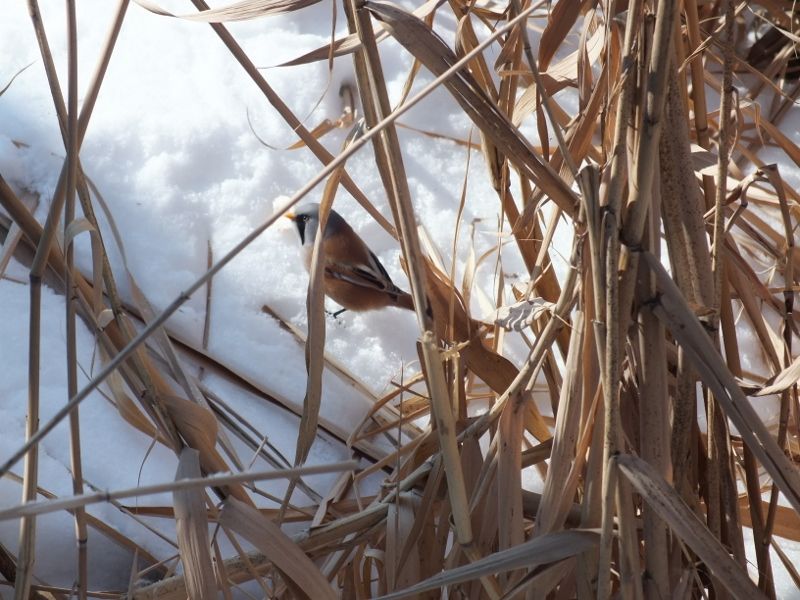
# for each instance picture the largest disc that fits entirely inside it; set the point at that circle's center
(638, 499)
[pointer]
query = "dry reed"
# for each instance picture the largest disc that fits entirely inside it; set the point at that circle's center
(639, 499)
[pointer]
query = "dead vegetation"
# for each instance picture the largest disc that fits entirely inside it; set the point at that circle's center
(640, 497)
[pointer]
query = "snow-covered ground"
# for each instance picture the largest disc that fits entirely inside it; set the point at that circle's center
(171, 151)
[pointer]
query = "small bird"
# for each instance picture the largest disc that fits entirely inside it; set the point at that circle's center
(354, 277)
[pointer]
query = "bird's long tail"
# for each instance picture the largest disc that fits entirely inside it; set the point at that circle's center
(405, 300)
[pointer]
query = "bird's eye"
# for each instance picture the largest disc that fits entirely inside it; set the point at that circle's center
(304, 218)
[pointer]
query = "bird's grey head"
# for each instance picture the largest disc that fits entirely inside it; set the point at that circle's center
(306, 218)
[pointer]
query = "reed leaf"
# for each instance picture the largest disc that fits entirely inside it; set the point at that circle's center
(192, 528)
(539, 551)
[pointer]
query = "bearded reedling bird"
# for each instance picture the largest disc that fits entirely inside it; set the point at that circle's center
(354, 277)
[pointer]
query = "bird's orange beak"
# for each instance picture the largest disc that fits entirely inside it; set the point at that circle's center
(290, 215)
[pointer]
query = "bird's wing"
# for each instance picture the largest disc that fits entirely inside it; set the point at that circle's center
(376, 266)
(372, 275)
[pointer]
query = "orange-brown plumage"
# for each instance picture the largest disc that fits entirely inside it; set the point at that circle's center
(354, 277)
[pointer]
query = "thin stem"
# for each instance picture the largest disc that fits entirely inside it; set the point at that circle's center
(216, 480)
(72, 143)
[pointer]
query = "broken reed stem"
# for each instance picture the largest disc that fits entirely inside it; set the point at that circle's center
(210, 481)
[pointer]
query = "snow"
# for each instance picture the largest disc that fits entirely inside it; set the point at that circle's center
(171, 151)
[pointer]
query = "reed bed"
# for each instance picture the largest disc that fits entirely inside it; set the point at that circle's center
(632, 405)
